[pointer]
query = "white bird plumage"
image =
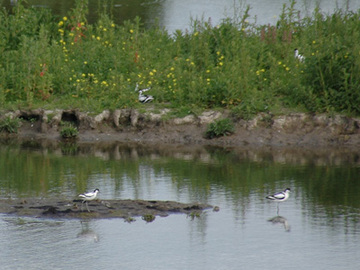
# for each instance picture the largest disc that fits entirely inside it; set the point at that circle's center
(89, 196)
(143, 98)
(279, 197)
(299, 56)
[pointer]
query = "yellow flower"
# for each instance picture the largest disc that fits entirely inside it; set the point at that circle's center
(279, 63)
(112, 25)
(208, 71)
(287, 68)
(151, 73)
(131, 31)
(98, 38)
(65, 18)
(60, 23)
(85, 62)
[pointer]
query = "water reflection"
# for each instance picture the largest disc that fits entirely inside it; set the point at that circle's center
(87, 233)
(279, 220)
(324, 180)
(324, 207)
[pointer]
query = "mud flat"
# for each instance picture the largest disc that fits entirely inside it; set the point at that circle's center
(126, 209)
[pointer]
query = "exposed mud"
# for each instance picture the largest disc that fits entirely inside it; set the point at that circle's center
(157, 127)
(126, 209)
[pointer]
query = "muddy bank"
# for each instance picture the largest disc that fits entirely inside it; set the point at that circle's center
(158, 127)
(126, 209)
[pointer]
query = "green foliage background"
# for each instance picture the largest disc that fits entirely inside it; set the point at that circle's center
(66, 62)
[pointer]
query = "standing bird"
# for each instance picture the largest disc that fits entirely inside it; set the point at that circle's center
(144, 98)
(279, 197)
(299, 56)
(89, 196)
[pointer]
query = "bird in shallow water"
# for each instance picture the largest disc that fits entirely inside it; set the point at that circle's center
(299, 56)
(279, 197)
(89, 196)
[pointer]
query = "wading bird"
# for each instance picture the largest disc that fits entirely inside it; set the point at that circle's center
(143, 98)
(89, 196)
(299, 56)
(279, 197)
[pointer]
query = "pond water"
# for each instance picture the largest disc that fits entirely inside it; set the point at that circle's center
(176, 14)
(317, 228)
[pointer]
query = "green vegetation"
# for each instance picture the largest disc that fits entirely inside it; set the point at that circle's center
(68, 131)
(10, 125)
(219, 128)
(148, 218)
(66, 63)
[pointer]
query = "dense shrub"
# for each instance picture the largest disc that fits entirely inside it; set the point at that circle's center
(68, 63)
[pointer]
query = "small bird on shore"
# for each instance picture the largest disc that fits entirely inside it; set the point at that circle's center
(299, 56)
(279, 197)
(89, 196)
(143, 98)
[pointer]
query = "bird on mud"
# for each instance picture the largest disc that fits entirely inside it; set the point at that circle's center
(279, 197)
(89, 196)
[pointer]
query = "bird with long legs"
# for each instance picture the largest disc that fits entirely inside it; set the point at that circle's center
(279, 197)
(89, 196)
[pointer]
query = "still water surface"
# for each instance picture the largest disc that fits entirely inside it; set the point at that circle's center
(318, 227)
(177, 14)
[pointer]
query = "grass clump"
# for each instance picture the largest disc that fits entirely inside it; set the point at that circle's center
(10, 125)
(68, 131)
(219, 128)
(50, 62)
(148, 218)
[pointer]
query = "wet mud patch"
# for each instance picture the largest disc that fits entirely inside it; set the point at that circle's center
(126, 209)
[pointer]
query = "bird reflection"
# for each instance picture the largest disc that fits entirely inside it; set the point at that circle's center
(86, 233)
(282, 221)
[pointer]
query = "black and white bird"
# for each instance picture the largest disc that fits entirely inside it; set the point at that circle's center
(279, 197)
(143, 98)
(89, 196)
(299, 56)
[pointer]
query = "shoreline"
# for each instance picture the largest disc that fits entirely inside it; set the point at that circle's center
(156, 128)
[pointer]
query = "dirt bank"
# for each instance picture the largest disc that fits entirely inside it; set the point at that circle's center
(157, 127)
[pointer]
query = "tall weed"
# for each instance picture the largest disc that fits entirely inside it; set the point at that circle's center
(248, 68)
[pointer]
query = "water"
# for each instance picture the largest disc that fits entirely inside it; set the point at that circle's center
(318, 227)
(175, 14)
